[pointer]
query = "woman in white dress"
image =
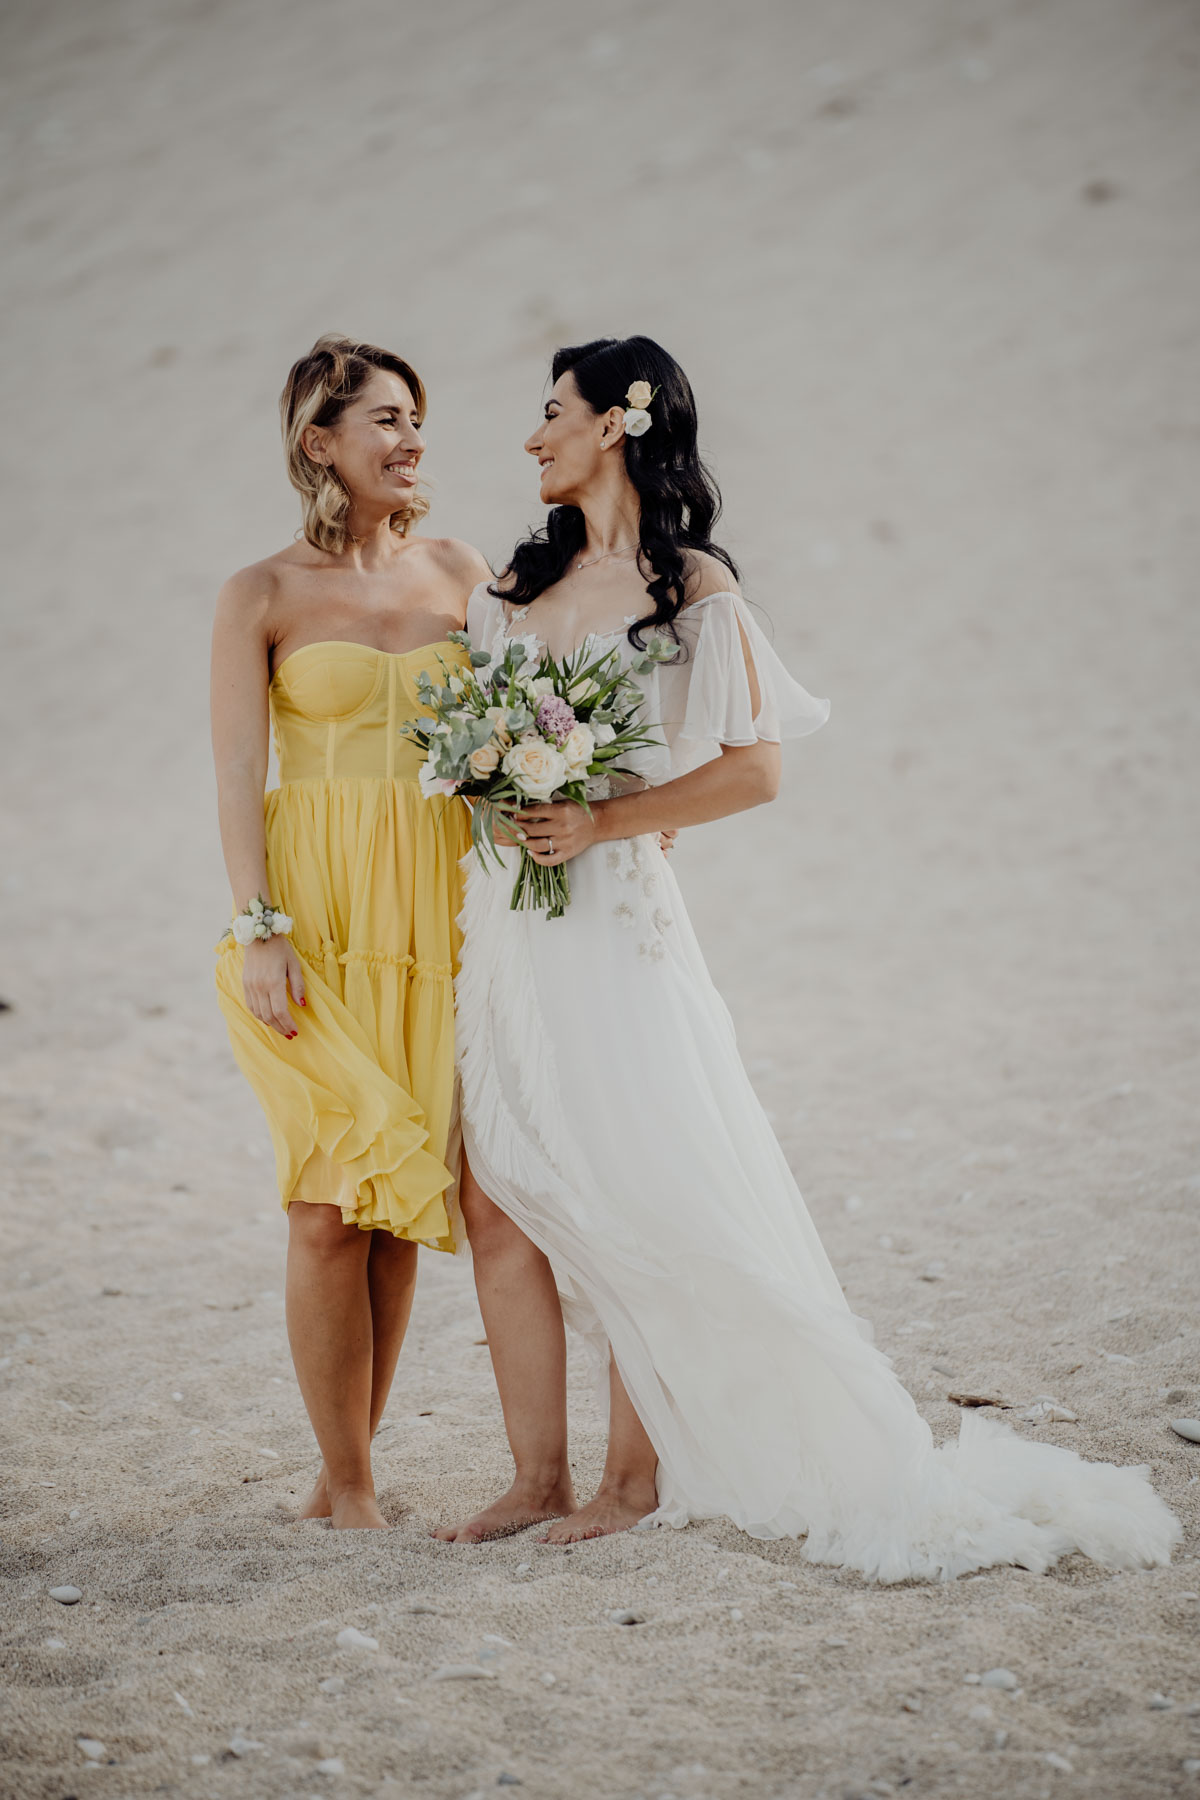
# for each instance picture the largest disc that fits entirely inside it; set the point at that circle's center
(622, 1171)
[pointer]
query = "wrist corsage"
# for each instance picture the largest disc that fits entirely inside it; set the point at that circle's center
(259, 920)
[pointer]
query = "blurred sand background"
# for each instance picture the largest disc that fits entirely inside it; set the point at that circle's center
(932, 267)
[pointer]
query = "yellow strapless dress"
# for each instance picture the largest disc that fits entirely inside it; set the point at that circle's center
(362, 1104)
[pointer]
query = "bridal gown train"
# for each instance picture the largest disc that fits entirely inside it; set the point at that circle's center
(606, 1110)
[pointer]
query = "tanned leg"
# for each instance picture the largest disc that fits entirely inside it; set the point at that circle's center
(330, 1332)
(627, 1489)
(523, 1318)
(391, 1282)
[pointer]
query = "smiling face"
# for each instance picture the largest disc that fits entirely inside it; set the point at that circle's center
(571, 442)
(375, 445)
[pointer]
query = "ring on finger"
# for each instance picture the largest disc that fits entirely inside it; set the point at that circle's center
(550, 846)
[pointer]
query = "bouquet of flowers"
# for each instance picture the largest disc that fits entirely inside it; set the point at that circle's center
(519, 728)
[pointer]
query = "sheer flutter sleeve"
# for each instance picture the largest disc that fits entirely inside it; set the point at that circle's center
(484, 614)
(705, 698)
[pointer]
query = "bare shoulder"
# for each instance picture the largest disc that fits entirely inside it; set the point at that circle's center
(705, 575)
(462, 561)
(249, 592)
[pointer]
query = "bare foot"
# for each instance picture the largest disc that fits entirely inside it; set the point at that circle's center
(616, 1509)
(356, 1509)
(317, 1505)
(513, 1512)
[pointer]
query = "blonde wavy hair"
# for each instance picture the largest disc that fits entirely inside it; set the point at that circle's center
(317, 391)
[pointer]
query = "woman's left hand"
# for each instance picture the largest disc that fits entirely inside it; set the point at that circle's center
(557, 831)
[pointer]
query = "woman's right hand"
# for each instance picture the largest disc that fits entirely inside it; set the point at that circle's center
(271, 967)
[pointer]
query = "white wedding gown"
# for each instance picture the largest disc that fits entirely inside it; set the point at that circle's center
(606, 1110)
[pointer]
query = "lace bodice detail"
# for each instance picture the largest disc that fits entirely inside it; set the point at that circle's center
(699, 702)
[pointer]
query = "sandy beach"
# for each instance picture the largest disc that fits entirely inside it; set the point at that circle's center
(932, 269)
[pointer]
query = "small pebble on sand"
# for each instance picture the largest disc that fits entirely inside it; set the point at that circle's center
(92, 1748)
(1000, 1678)
(627, 1615)
(1187, 1428)
(463, 1672)
(910, 1704)
(1058, 1762)
(1160, 1703)
(350, 1638)
(332, 1684)
(331, 1765)
(1047, 1411)
(66, 1596)
(241, 1745)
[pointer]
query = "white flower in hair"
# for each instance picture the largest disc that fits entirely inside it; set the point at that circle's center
(637, 419)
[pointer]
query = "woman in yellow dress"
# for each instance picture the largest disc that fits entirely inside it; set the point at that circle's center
(336, 980)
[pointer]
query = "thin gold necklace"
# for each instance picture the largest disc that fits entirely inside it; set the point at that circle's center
(625, 550)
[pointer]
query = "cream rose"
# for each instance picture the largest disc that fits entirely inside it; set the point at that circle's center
(637, 422)
(640, 394)
(577, 748)
(536, 767)
(495, 717)
(583, 689)
(486, 761)
(603, 734)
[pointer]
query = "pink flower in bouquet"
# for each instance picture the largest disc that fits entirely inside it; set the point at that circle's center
(556, 718)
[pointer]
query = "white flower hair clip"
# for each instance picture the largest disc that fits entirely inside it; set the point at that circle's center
(637, 420)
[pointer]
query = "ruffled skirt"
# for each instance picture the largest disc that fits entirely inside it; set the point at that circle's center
(362, 1104)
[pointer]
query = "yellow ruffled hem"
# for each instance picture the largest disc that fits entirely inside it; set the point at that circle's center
(370, 1126)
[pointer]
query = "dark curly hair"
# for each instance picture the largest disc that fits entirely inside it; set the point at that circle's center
(680, 501)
